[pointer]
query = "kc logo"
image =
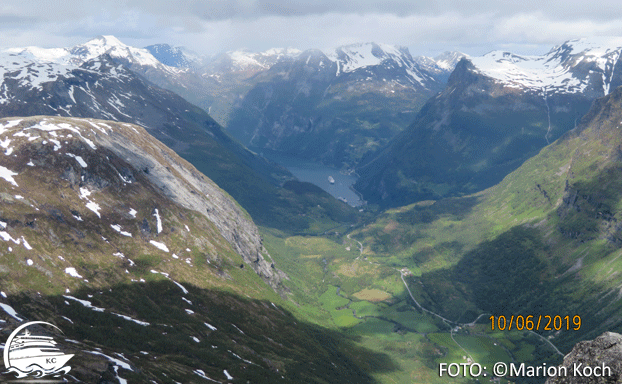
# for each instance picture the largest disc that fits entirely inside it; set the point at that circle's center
(28, 354)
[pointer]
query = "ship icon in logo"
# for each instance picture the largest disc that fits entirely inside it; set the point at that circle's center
(26, 354)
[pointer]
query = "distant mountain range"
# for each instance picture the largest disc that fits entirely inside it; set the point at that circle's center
(337, 106)
(496, 111)
(102, 79)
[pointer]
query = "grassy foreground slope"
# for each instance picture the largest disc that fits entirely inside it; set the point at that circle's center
(153, 272)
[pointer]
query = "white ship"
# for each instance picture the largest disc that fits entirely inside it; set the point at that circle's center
(27, 351)
(331, 180)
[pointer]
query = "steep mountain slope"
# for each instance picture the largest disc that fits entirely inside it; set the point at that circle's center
(496, 111)
(60, 82)
(440, 66)
(152, 271)
(333, 107)
(173, 56)
(544, 241)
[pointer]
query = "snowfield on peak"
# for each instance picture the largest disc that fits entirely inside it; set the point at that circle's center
(560, 70)
(355, 56)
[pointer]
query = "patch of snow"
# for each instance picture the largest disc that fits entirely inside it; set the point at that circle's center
(94, 207)
(118, 228)
(143, 323)
(118, 362)
(210, 326)
(68, 319)
(229, 377)
(30, 163)
(183, 289)
(12, 123)
(196, 340)
(133, 212)
(158, 220)
(78, 159)
(29, 262)
(72, 272)
(26, 245)
(57, 145)
(186, 300)
(44, 126)
(189, 311)
(202, 374)
(10, 311)
(159, 245)
(84, 193)
(187, 229)
(7, 175)
(3, 294)
(86, 303)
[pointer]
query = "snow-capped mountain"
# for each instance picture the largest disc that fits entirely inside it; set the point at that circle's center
(364, 56)
(116, 49)
(358, 95)
(34, 66)
(496, 111)
(577, 66)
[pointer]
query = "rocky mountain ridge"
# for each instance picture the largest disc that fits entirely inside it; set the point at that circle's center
(152, 271)
(604, 351)
(49, 140)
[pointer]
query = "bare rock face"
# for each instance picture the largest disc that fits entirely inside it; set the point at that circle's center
(593, 356)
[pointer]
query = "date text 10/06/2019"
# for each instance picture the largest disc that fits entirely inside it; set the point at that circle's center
(535, 323)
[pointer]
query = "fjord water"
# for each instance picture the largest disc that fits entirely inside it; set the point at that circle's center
(317, 173)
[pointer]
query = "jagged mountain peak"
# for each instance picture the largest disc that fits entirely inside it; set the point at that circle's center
(359, 55)
(449, 59)
(116, 49)
(442, 65)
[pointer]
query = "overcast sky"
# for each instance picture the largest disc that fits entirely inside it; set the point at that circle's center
(212, 26)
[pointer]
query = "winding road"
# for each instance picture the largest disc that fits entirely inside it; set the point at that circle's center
(450, 323)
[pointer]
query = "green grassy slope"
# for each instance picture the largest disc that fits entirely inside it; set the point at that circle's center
(545, 241)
